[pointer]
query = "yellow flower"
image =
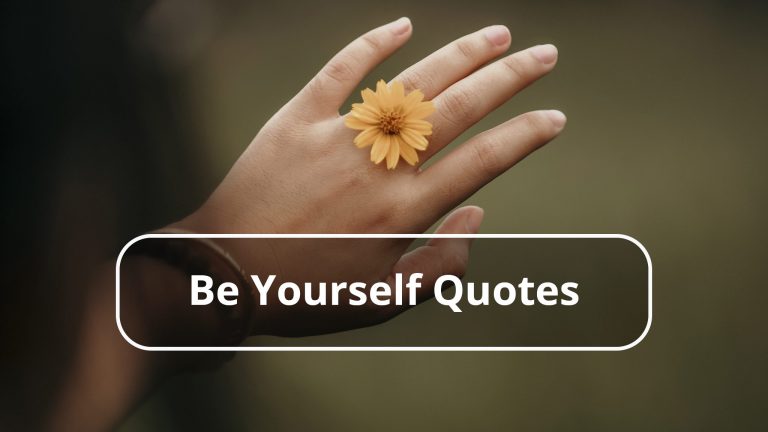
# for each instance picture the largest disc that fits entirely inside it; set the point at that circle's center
(392, 123)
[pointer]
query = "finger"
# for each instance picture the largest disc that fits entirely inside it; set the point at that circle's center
(469, 100)
(328, 90)
(440, 256)
(484, 157)
(454, 61)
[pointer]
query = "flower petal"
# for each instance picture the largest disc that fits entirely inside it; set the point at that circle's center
(364, 116)
(367, 137)
(366, 109)
(354, 122)
(380, 148)
(412, 99)
(382, 91)
(420, 110)
(371, 98)
(393, 155)
(414, 139)
(381, 87)
(407, 152)
(397, 91)
(406, 110)
(419, 126)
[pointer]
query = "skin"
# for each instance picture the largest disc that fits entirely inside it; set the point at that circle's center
(302, 174)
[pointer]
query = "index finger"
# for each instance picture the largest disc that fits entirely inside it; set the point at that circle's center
(327, 91)
(449, 64)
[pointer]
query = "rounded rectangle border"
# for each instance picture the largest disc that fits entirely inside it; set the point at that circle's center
(388, 348)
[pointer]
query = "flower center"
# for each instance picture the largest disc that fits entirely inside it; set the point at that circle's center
(390, 123)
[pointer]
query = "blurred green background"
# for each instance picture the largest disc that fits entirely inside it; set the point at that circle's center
(666, 142)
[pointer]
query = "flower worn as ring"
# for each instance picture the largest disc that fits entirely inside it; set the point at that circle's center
(392, 123)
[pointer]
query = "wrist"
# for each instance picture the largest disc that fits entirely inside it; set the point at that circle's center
(156, 276)
(252, 256)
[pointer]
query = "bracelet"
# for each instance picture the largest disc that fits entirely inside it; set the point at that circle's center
(198, 255)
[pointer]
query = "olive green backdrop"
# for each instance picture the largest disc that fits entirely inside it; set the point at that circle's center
(666, 142)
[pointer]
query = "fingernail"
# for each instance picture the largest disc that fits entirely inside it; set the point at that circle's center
(401, 26)
(474, 219)
(557, 118)
(497, 35)
(545, 53)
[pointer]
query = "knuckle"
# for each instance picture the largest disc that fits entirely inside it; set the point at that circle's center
(465, 48)
(314, 87)
(394, 214)
(455, 264)
(371, 41)
(457, 105)
(339, 70)
(386, 218)
(537, 125)
(357, 177)
(414, 79)
(487, 155)
(516, 66)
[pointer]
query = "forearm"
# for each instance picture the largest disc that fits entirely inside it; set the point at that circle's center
(109, 377)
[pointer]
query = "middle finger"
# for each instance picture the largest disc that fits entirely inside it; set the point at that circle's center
(466, 102)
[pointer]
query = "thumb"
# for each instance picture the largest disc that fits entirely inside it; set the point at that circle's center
(440, 256)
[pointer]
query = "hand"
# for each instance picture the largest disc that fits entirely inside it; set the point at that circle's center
(302, 173)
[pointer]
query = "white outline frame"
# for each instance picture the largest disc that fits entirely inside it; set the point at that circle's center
(385, 348)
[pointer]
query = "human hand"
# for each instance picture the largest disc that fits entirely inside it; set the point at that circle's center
(302, 173)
